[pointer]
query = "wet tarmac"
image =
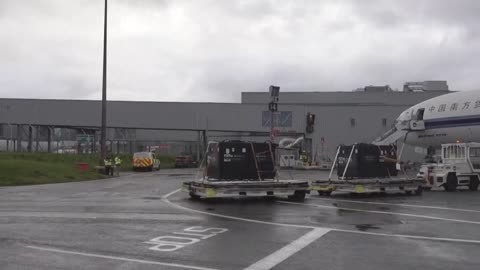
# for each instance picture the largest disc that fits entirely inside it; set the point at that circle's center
(142, 221)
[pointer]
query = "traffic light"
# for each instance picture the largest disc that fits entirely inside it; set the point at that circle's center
(310, 122)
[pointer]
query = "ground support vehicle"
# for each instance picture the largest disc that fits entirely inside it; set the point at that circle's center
(242, 169)
(365, 168)
(145, 161)
(459, 166)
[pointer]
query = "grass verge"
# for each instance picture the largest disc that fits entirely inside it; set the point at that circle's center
(44, 168)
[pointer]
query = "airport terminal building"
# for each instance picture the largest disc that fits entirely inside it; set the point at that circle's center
(340, 118)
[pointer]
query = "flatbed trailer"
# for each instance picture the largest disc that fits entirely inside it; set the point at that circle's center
(407, 185)
(292, 189)
(373, 181)
(235, 169)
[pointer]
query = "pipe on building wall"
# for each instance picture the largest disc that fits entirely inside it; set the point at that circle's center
(30, 138)
(49, 139)
(19, 138)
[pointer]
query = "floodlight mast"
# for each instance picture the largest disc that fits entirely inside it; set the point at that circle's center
(273, 107)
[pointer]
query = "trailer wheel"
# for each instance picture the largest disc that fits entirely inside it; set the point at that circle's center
(474, 182)
(194, 196)
(324, 193)
(419, 191)
(298, 196)
(451, 184)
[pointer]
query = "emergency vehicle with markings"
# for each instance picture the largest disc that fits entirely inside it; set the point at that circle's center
(145, 161)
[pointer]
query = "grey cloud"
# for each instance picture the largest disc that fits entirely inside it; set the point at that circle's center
(206, 50)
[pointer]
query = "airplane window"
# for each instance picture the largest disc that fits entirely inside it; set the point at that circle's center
(432, 109)
(466, 105)
(453, 107)
(477, 104)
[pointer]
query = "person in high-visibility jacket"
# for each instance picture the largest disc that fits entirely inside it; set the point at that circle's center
(107, 162)
(118, 163)
(303, 156)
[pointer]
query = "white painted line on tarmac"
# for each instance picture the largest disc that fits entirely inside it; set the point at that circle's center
(401, 204)
(384, 212)
(285, 252)
(166, 200)
(443, 239)
(238, 218)
(170, 193)
(119, 258)
(458, 240)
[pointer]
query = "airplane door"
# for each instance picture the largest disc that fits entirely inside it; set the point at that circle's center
(417, 123)
(420, 113)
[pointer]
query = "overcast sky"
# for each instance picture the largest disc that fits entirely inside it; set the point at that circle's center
(211, 50)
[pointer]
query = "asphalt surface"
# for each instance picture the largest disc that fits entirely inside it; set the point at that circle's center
(141, 221)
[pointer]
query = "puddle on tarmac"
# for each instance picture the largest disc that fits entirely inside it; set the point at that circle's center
(366, 227)
(151, 198)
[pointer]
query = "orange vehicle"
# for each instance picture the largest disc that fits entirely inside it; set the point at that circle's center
(145, 161)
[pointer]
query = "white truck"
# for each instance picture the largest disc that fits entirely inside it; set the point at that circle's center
(459, 166)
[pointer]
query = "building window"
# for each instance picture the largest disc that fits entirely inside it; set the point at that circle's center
(384, 122)
(352, 122)
(280, 119)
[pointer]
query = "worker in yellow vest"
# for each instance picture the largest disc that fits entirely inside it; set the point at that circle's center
(303, 156)
(107, 162)
(118, 163)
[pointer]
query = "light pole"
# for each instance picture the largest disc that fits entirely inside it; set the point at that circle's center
(103, 132)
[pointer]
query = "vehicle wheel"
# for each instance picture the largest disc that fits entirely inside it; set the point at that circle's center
(321, 193)
(298, 196)
(419, 191)
(474, 182)
(451, 184)
(150, 169)
(408, 192)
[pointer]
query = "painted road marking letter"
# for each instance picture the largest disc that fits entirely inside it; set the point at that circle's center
(188, 236)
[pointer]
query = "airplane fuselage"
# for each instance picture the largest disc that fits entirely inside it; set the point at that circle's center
(448, 118)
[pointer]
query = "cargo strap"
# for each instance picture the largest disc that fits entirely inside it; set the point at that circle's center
(348, 162)
(256, 163)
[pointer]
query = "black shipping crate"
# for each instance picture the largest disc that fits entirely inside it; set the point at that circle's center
(235, 160)
(342, 162)
(367, 161)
